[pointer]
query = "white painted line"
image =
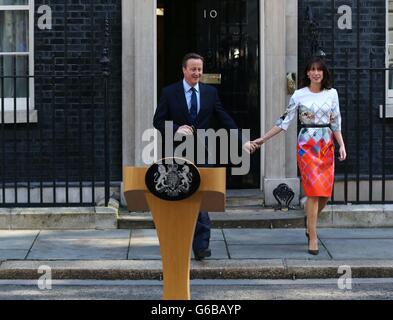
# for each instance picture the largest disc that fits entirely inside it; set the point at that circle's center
(212, 282)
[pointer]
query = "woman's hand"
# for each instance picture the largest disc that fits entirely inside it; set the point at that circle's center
(343, 153)
(340, 141)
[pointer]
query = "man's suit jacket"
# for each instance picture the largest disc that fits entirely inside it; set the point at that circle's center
(173, 107)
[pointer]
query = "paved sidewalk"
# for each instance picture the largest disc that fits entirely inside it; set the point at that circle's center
(236, 254)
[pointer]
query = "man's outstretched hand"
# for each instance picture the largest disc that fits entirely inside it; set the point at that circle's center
(259, 142)
(250, 147)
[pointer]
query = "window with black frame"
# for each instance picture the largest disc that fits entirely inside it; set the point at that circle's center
(16, 54)
(389, 49)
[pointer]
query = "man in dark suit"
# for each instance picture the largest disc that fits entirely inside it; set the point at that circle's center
(191, 105)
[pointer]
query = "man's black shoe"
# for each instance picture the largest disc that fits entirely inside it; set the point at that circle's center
(202, 254)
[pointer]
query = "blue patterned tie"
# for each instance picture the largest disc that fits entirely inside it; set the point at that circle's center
(194, 106)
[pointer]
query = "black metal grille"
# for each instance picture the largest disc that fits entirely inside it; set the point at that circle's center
(59, 156)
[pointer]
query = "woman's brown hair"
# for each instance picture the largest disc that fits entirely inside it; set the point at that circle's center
(320, 65)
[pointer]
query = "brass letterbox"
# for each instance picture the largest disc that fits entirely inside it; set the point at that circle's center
(211, 78)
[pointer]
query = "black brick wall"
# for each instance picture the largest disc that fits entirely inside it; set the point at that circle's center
(69, 136)
(360, 92)
(39, 151)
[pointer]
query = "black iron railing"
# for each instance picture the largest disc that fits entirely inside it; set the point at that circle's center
(55, 117)
(368, 171)
(55, 120)
(54, 136)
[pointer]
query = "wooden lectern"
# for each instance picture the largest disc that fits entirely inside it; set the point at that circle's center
(175, 222)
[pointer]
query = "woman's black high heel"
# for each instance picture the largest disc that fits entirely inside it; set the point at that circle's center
(313, 252)
(305, 225)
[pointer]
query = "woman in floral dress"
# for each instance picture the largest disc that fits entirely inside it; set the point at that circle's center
(319, 113)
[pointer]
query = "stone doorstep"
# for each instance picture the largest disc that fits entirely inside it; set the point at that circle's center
(58, 218)
(214, 269)
(334, 216)
(347, 216)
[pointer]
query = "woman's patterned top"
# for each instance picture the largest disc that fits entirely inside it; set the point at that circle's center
(314, 108)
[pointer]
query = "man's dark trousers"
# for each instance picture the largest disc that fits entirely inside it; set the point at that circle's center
(202, 233)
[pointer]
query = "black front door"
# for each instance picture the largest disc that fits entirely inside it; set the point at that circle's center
(226, 33)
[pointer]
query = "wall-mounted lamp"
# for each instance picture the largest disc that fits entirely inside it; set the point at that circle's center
(160, 12)
(291, 82)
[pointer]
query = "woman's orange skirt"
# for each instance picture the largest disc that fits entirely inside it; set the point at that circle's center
(315, 159)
